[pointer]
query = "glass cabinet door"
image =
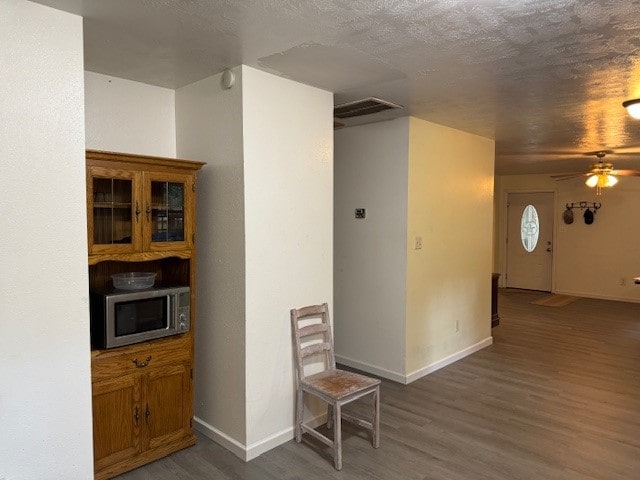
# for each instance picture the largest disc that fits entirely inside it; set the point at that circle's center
(167, 211)
(169, 197)
(113, 207)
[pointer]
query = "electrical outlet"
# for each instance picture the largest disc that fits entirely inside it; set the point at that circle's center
(418, 243)
(623, 282)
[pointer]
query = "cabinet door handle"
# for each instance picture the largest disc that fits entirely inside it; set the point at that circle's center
(147, 414)
(136, 415)
(148, 211)
(140, 364)
(137, 211)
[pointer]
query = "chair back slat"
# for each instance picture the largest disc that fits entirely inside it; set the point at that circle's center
(323, 328)
(313, 329)
(315, 348)
(311, 311)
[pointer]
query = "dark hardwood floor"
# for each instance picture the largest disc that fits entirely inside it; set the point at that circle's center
(557, 396)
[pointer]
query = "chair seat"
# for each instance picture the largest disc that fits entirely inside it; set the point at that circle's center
(339, 384)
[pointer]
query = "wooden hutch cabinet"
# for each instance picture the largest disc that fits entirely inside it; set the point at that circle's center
(141, 218)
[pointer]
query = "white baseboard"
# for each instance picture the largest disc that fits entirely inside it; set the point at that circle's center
(272, 441)
(413, 376)
(598, 297)
(237, 448)
(248, 453)
(373, 369)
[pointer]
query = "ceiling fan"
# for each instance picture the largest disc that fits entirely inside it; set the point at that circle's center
(601, 174)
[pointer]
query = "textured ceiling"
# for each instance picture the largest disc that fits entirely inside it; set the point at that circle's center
(544, 78)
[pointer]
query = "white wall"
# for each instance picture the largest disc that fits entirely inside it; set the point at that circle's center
(589, 260)
(288, 175)
(209, 128)
(45, 383)
(370, 258)
(129, 117)
(449, 280)
(264, 245)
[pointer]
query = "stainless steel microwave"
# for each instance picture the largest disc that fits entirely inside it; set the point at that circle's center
(120, 317)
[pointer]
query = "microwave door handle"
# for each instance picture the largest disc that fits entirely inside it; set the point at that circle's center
(172, 312)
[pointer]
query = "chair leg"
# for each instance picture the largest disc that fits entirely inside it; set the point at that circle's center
(329, 415)
(376, 418)
(299, 414)
(337, 436)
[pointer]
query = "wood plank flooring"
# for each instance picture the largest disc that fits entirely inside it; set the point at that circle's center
(557, 396)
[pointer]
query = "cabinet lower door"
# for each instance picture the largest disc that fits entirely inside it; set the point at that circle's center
(117, 416)
(168, 404)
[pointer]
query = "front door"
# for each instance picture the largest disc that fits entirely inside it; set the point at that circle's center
(529, 240)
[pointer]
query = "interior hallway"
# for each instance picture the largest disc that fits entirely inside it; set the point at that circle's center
(557, 396)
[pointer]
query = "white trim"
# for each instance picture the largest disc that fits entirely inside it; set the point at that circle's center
(413, 376)
(272, 441)
(248, 453)
(598, 297)
(221, 438)
(374, 370)
(258, 448)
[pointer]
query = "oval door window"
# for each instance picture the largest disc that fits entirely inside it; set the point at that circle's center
(529, 228)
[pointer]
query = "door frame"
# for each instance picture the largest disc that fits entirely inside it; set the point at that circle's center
(502, 227)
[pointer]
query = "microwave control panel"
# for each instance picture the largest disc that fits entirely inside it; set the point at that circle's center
(182, 312)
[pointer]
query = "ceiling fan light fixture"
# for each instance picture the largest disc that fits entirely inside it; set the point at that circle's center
(591, 181)
(600, 180)
(633, 107)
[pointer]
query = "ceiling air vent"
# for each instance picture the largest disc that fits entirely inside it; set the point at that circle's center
(365, 106)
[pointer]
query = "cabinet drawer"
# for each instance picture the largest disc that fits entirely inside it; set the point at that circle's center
(136, 358)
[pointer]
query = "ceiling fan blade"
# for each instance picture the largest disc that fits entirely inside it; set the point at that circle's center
(567, 176)
(625, 173)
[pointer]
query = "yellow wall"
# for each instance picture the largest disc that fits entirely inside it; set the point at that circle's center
(450, 201)
(597, 260)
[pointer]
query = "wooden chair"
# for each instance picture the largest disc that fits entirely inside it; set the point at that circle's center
(336, 387)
